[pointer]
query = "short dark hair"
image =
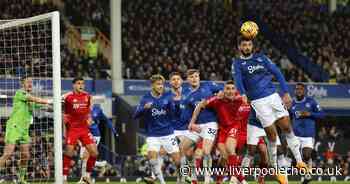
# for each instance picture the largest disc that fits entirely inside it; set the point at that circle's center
(231, 82)
(76, 79)
(243, 39)
(156, 77)
(24, 77)
(191, 71)
(172, 74)
(300, 84)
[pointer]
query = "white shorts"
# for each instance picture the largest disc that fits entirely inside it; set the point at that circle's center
(178, 133)
(82, 148)
(169, 143)
(208, 131)
(269, 109)
(306, 142)
(254, 134)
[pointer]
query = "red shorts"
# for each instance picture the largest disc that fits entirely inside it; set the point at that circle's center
(226, 132)
(82, 134)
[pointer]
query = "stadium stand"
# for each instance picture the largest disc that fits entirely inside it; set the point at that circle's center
(204, 39)
(315, 32)
(72, 62)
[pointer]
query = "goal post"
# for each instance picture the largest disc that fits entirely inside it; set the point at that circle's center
(31, 47)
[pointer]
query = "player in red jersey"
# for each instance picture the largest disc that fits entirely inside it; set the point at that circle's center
(77, 117)
(227, 109)
(243, 116)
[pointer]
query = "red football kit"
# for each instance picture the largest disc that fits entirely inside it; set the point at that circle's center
(228, 114)
(77, 113)
(243, 115)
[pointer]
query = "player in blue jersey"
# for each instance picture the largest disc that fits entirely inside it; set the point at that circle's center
(253, 74)
(305, 111)
(182, 115)
(206, 121)
(97, 117)
(156, 109)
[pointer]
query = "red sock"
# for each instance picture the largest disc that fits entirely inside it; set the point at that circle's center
(66, 164)
(198, 162)
(233, 161)
(219, 179)
(90, 164)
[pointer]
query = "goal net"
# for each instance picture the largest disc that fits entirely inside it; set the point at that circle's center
(31, 47)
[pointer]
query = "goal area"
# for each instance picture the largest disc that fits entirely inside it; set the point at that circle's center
(30, 47)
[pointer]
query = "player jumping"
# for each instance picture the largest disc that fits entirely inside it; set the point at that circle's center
(17, 126)
(253, 74)
(97, 117)
(229, 123)
(77, 117)
(304, 112)
(156, 108)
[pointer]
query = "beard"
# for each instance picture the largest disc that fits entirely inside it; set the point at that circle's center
(246, 53)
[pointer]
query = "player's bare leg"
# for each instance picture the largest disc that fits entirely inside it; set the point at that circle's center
(177, 160)
(84, 156)
(187, 146)
(307, 159)
(155, 165)
(24, 156)
(8, 151)
(249, 157)
(207, 160)
(292, 140)
(90, 164)
(264, 161)
(271, 133)
(223, 160)
(233, 160)
(67, 158)
(185, 151)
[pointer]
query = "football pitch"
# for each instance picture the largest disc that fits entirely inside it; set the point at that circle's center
(172, 182)
(250, 182)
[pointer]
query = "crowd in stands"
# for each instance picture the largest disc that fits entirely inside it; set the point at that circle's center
(36, 64)
(163, 36)
(166, 36)
(308, 26)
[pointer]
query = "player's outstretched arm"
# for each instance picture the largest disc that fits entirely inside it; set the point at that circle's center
(237, 77)
(38, 100)
(192, 126)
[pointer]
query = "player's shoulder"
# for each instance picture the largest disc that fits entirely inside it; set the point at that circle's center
(67, 95)
(261, 57)
(20, 92)
(213, 99)
(146, 96)
(85, 93)
(311, 99)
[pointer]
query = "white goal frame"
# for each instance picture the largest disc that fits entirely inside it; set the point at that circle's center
(56, 81)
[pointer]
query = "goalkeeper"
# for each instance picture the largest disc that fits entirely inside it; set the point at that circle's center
(17, 126)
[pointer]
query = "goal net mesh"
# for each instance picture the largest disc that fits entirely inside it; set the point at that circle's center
(26, 50)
